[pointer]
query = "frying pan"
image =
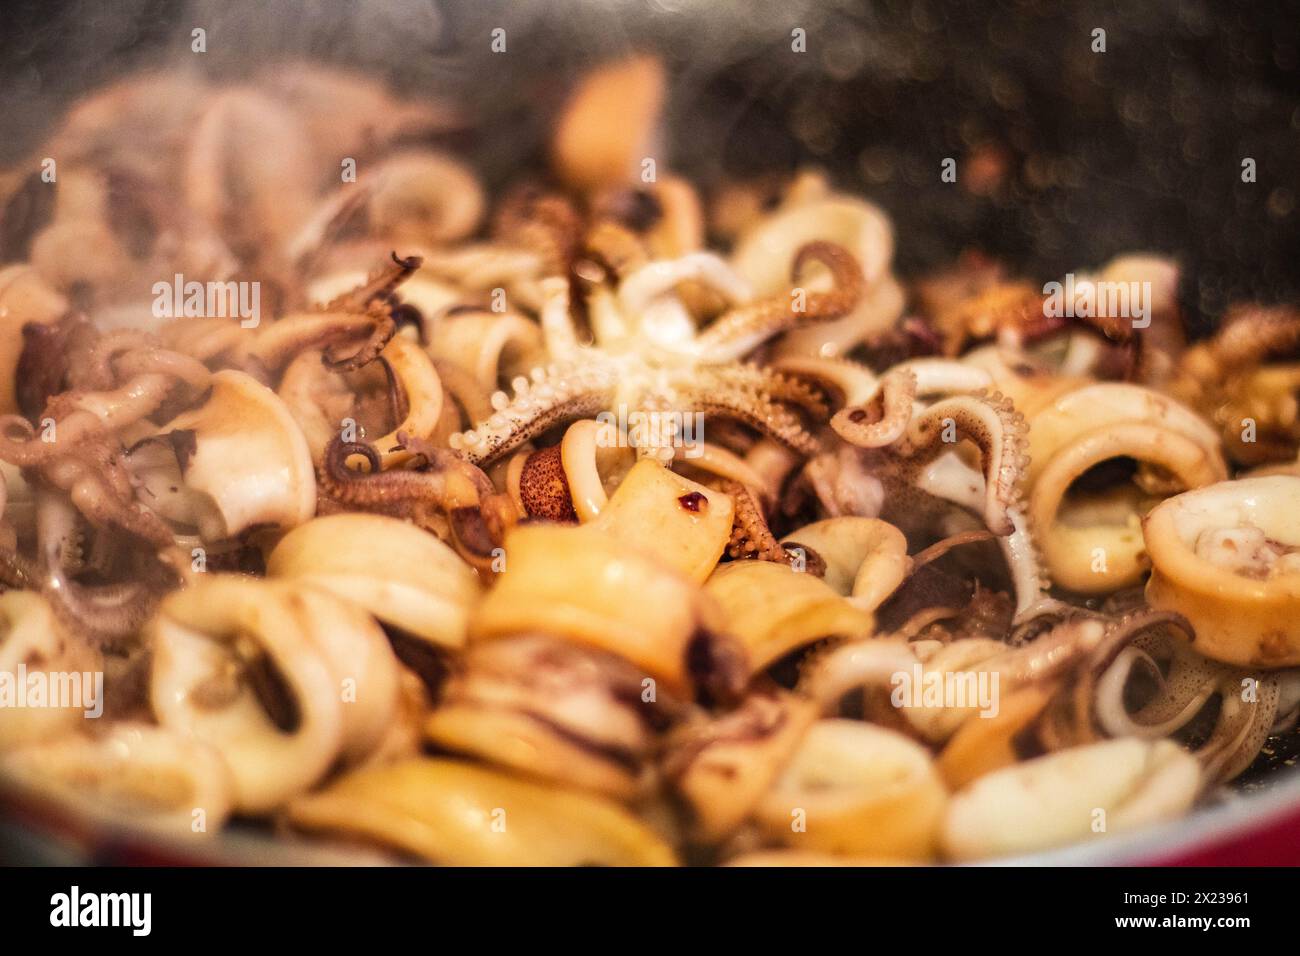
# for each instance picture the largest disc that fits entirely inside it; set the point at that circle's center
(1067, 156)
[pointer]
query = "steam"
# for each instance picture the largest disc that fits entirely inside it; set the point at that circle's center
(436, 47)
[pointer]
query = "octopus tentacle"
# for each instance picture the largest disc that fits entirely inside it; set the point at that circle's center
(1254, 334)
(937, 550)
(384, 330)
(856, 424)
(18, 444)
(852, 382)
(117, 408)
(1247, 372)
(396, 491)
(1013, 311)
(1000, 432)
(1072, 717)
(655, 279)
(750, 535)
(80, 417)
(770, 383)
(914, 476)
(555, 395)
(616, 247)
(99, 486)
(94, 354)
(547, 224)
(746, 327)
(752, 407)
(87, 465)
(936, 376)
(380, 284)
(286, 338)
(1028, 570)
(450, 486)
(399, 403)
(209, 339)
(444, 459)
(102, 365)
(796, 391)
(1092, 702)
(559, 333)
(364, 313)
(108, 614)
(909, 499)
(160, 361)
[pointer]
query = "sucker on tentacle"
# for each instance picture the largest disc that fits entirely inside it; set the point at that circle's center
(752, 408)
(750, 535)
(1001, 434)
(796, 391)
(451, 487)
(79, 418)
(88, 466)
(909, 482)
(555, 395)
(665, 376)
(107, 615)
(384, 330)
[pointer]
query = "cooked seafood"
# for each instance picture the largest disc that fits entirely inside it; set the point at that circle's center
(603, 521)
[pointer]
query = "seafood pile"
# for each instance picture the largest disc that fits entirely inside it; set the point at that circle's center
(609, 519)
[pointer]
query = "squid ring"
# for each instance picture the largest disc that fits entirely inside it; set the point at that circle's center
(588, 449)
(134, 773)
(205, 638)
(1070, 551)
(863, 790)
(866, 559)
(1223, 556)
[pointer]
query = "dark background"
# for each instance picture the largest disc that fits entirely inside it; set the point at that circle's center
(1066, 157)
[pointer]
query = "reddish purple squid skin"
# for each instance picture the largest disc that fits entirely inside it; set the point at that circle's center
(449, 485)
